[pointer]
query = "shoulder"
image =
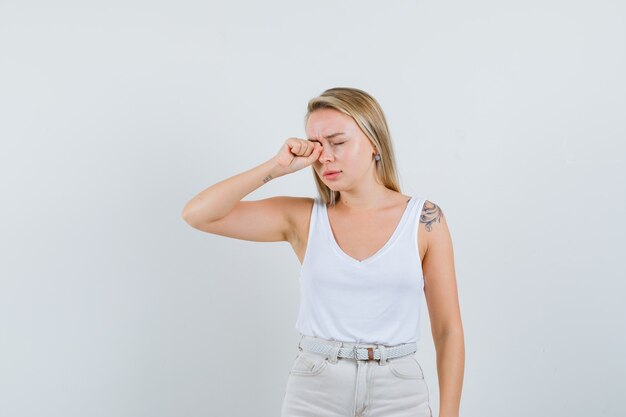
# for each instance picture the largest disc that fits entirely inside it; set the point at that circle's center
(296, 207)
(431, 215)
(433, 224)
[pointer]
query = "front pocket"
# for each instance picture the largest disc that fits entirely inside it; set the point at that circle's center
(308, 363)
(406, 367)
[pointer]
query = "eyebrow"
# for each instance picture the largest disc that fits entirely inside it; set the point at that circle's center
(332, 135)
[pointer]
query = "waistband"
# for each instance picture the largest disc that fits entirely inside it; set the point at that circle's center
(361, 351)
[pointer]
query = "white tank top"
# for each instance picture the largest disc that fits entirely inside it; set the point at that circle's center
(377, 300)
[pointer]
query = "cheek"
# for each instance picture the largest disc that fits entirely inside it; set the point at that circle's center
(349, 153)
(359, 156)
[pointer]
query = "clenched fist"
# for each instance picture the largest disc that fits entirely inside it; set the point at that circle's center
(296, 154)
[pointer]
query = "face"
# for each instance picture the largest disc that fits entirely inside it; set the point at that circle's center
(345, 148)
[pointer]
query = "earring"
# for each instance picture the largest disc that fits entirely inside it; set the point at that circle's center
(377, 157)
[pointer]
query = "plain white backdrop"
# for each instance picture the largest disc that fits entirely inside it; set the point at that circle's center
(509, 115)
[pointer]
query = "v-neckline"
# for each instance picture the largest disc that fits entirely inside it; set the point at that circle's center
(380, 251)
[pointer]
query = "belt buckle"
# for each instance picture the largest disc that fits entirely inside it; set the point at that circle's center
(370, 354)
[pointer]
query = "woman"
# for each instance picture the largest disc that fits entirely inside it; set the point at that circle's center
(368, 253)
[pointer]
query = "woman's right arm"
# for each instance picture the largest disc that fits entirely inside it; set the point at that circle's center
(219, 209)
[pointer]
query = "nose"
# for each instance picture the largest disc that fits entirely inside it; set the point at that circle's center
(326, 154)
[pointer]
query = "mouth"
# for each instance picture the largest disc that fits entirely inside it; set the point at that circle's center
(331, 174)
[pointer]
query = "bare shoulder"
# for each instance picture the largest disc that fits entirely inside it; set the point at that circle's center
(432, 226)
(430, 216)
(297, 211)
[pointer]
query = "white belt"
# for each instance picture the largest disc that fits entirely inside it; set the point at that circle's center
(365, 353)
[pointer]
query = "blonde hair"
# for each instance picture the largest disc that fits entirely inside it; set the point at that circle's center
(369, 116)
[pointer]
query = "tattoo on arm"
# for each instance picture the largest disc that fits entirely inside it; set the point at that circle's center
(431, 213)
(267, 179)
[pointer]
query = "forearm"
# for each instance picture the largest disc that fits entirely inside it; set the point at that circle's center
(219, 199)
(450, 369)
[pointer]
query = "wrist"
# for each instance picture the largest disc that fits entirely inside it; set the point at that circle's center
(273, 170)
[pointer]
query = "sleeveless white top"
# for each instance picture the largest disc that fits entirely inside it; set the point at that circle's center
(377, 300)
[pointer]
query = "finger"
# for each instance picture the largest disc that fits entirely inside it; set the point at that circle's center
(310, 147)
(299, 147)
(307, 148)
(315, 154)
(296, 148)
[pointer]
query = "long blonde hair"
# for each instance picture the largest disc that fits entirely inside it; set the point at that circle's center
(369, 116)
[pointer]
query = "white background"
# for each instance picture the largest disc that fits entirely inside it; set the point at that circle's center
(509, 115)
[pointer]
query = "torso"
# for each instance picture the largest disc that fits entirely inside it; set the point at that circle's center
(359, 236)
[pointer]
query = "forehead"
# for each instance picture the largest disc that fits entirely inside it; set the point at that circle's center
(324, 122)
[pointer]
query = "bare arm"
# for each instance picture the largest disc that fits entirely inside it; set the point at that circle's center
(219, 199)
(219, 209)
(440, 290)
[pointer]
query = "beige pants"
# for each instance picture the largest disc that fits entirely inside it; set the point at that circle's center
(331, 386)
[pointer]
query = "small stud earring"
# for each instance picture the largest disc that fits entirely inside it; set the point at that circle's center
(377, 157)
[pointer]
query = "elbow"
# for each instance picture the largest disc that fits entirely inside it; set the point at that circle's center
(449, 332)
(186, 216)
(196, 215)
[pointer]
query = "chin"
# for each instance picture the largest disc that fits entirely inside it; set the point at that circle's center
(334, 187)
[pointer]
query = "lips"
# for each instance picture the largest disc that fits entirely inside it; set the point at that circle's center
(330, 171)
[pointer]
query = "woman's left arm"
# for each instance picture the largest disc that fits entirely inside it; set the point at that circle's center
(440, 290)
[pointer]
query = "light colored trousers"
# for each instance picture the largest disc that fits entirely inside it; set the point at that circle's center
(331, 386)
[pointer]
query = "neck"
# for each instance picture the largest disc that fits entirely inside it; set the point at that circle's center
(371, 199)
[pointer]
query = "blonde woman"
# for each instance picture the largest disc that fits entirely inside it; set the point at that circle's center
(369, 253)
